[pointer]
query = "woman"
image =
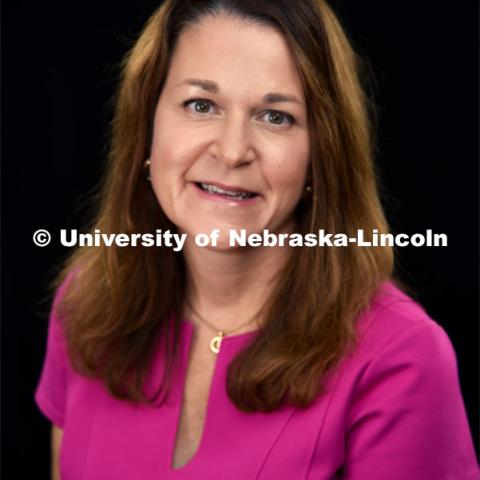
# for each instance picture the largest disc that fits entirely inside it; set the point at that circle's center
(225, 362)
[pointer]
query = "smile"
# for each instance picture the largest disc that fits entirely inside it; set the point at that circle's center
(233, 193)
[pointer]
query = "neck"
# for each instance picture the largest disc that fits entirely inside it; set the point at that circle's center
(230, 286)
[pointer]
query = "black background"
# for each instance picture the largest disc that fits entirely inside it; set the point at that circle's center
(58, 74)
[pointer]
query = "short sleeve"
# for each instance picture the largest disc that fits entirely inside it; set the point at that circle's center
(408, 420)
(51, 392)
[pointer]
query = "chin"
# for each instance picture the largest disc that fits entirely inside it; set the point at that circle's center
(222, 237)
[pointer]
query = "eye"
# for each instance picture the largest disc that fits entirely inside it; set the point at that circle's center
(200, 105)
(277, 118)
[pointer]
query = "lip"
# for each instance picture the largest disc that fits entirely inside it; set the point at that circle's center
(229, 188)
(227, 201)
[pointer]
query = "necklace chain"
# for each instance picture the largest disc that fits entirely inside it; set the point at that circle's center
(216, 341)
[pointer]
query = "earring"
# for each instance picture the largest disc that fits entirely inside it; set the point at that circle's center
(146, 168)
(307, 191)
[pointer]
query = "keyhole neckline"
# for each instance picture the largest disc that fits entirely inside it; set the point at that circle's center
(187, 334)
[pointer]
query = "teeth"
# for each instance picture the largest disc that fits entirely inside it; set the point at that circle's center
(214, 189)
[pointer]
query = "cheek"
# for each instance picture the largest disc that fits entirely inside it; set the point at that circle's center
(175, 145)
(166, 172)
(170, 159)
(168, 142)
(162, 171)
(288, 174)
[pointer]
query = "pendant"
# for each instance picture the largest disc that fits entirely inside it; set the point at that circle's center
(216, 342)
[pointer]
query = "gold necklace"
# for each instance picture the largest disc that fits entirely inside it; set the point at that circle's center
(216, 341)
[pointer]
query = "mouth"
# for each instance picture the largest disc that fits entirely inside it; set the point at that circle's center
(233, 193)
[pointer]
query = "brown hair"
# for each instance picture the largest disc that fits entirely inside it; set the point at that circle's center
(117, 306)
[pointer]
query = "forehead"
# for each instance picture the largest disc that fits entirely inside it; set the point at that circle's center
(236, 55)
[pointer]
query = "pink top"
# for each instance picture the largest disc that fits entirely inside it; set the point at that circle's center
(393, 411)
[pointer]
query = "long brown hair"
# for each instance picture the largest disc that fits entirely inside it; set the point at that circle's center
(117, 305)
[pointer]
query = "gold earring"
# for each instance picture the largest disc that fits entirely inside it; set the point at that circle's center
(146, 167)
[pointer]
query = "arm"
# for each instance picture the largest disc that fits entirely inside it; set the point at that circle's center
(51, 392)
(57, 434)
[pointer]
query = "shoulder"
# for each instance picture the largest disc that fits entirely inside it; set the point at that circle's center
(51, 390)
(400, 396)
(402, 358)
(57, 347)
(392, 319)
(400, 348)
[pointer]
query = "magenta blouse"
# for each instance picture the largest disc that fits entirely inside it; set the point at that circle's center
(393, 411)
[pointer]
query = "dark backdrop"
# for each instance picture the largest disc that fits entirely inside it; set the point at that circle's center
(57, 78)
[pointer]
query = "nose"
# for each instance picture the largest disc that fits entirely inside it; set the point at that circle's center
(232, 145)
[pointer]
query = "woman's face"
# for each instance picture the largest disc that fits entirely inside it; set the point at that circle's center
(230, 144)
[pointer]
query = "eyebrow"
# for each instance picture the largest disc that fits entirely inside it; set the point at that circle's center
(212, 87)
